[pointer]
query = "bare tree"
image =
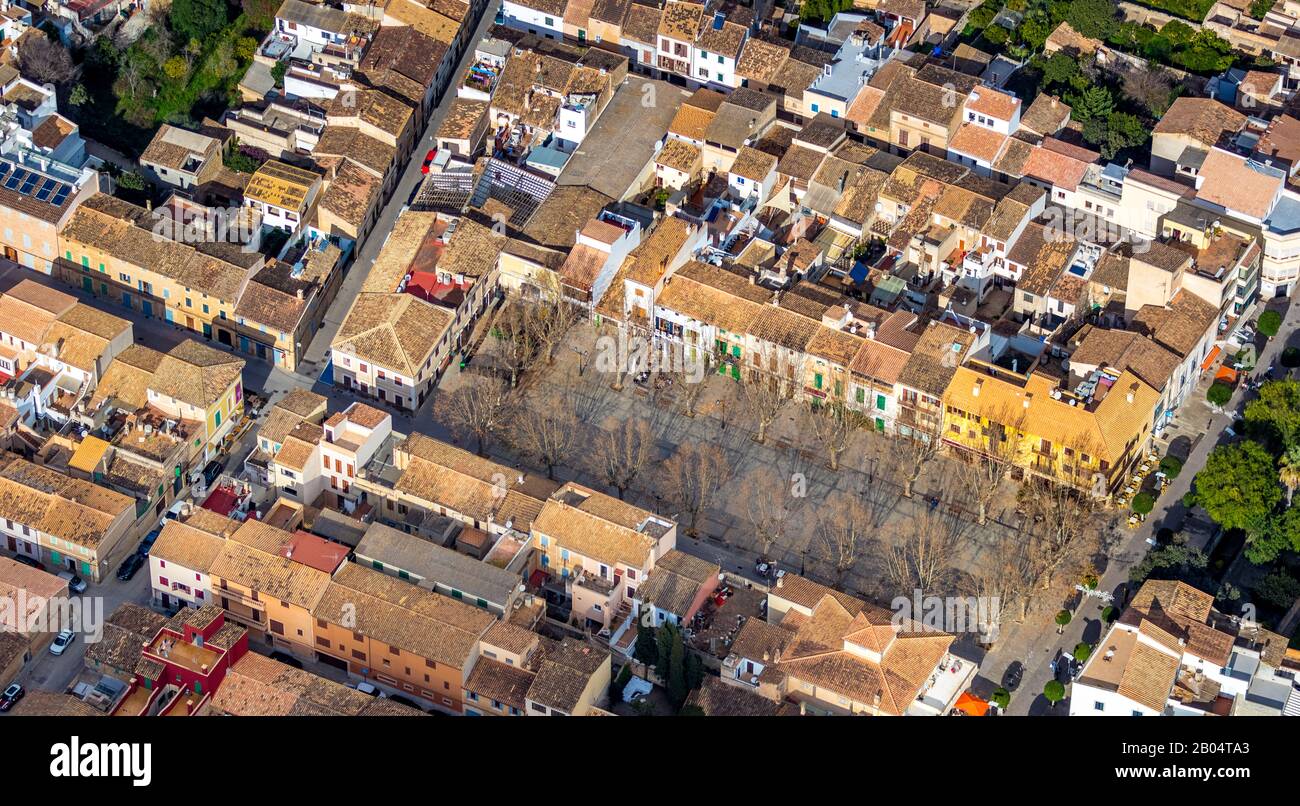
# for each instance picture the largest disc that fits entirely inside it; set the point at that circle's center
(921, 551)
(987, 465)
(552, 434)
(623, 453)
(1004, 580)
(764, 399)
(833, 424)
(516, 340)
(692, 477)
(551, 316)
(1063, 533)
(843, 527)
(45, 61)
(1152, 88)
(480, 408)
(692, 371)
(769, 505)
(916, 450)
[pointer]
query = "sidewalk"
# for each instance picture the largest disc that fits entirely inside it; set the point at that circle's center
(1206, 428)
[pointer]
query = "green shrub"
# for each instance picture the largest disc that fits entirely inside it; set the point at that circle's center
(1143, 503)
(1001, 698)
(1270, 322)
(1054, 691)
(1219, 393)
(1171, 466)
(1082, 652)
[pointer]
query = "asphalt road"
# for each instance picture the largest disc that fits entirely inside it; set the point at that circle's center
(1170, 513)
(314, 358)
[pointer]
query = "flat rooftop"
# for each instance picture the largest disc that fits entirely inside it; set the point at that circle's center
(613, 153)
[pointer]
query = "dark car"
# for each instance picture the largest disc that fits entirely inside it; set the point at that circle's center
(407, 701)
(25, 560)
(1011, 678)
(148, 542)
(211, 471)
(129, 566)
(428, 160)
(11, 696)
(287, 660)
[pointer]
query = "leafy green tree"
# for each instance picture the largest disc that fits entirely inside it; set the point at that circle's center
(1280, 533)
(1270, 322)
(1082, 652)
(1093, 104)
(663, 649)
(78, 96)
(677, 688)
(1174, 561)
(1288, 471)
(176, 69)
(1274, 416)
(1171, 466)
(1238, 487)
(646, 649)
(1092, 18)
(620, 683)
(1279, 589)
(694, 671)
(199, 19)
(1001, 698)
(1258, 8)
(1059, 69)
(246, 48)
(1219, 393)
(1143, 503)
(1063, 618)
(1054, 691)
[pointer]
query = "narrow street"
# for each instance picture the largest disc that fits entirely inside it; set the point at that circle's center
(1025, 642)
(315, 357)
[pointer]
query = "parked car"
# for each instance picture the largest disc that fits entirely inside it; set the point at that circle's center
(407, 701)
(211, 471)
(368, 688)
(129, 566)
(148, 542)
(25, 560)
(428, 160)
(11, 696)
(1011, 679)
(286, 659)
(62, 641)
(75, 583)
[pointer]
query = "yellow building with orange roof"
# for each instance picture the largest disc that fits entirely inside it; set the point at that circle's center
(1087, 437)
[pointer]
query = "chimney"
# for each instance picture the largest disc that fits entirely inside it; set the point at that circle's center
(300, 293)
(780, 582)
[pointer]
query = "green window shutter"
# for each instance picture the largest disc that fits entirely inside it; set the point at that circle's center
(839, 388)
(85, 568)
(735, 350)
(57, 557)
(862, 395)
(817, 380)
(880, 402)
(378, 566)
(880, 424)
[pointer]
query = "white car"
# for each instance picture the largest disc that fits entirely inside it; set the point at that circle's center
(62, 641)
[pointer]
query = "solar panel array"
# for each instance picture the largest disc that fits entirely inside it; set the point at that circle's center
(30, 183)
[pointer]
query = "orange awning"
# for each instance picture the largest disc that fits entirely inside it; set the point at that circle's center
(971, 705)
(1209, 359)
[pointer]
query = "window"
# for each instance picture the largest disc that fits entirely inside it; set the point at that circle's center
(1099, 706)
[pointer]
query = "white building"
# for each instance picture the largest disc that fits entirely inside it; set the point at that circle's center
(1172, 654)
